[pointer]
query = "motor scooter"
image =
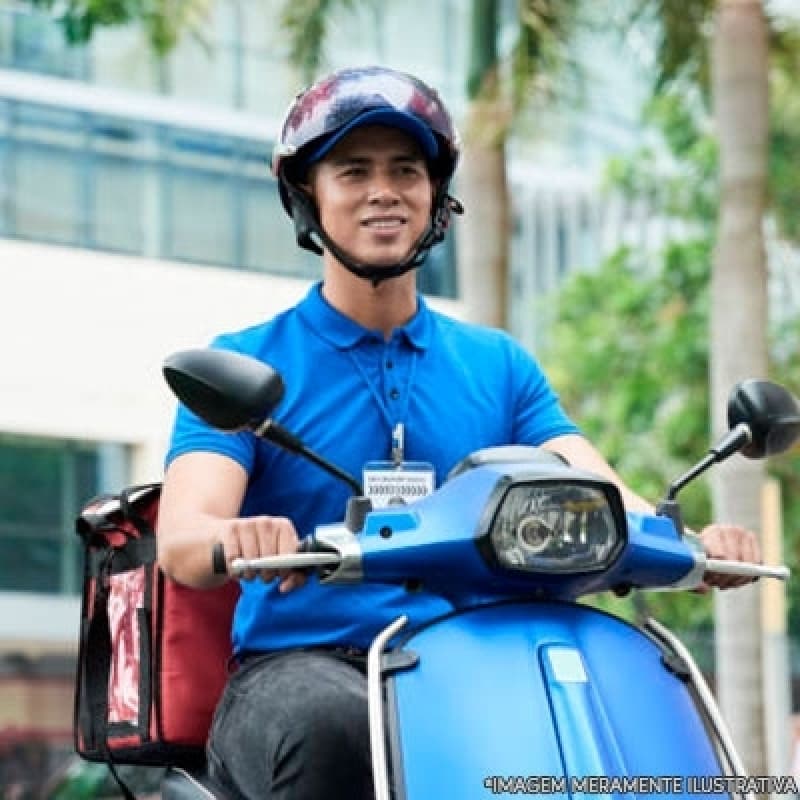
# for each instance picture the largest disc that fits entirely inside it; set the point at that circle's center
(521, 689)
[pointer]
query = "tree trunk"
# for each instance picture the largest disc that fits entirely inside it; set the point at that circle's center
(483, 236)
(739, 340)
(483, 242)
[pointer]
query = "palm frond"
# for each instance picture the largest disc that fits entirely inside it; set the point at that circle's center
(306, 23)
(163, 21)
(541, 51)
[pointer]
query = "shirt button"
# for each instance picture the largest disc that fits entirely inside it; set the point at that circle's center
(389, 364)
(394, 394)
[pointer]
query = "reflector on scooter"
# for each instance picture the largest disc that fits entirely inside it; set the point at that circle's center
(550, 527)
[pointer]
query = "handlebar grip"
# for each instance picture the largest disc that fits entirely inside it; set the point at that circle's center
(218, 564)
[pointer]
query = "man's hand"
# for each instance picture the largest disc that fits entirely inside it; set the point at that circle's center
(730, 543)
(260, 537)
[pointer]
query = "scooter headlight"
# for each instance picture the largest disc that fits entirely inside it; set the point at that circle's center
(558, 527)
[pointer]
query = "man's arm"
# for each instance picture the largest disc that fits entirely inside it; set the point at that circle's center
(200, 505)
(580, 452)
(727, 542)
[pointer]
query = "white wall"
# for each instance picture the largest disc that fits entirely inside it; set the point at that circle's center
(83, 336)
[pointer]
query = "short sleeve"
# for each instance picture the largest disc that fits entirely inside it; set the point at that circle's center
(538, 415)
(190, 434)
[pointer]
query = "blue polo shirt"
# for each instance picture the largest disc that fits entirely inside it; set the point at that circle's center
(456, 388)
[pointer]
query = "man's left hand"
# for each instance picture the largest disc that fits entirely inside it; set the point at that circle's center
(730, 543)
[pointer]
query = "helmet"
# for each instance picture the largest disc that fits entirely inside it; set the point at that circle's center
(327, 111)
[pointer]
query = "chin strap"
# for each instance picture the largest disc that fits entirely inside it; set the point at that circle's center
(307, 227)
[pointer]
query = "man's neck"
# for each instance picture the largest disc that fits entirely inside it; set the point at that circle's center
(389, 305)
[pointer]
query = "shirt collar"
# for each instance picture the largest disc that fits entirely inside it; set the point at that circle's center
(343, 333)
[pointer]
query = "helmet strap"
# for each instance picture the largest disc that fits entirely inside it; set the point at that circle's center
(307, 227)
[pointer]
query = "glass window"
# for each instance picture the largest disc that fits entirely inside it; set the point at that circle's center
(45, 175)
(47, 193)
(118, 190)
(200, 213)
(200, 207)
(38, 45)
(206, 71)
(269, 83)
(6, 37)
(269, 240)
(5, 169)
(43, 484)
(121, 57)
(120, 177)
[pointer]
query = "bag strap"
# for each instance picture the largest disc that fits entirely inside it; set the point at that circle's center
(98, 668)
(123, 787)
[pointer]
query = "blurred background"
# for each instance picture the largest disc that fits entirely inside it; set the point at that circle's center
(608, 213)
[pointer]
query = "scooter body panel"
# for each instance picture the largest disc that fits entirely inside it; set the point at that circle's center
(506, 698)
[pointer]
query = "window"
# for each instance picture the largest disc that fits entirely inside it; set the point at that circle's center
(120, 175)
(43, 484)
(35, 42)
(46, 173)
(269, 238)
(94, 180)
(120, 57)
(200, 198)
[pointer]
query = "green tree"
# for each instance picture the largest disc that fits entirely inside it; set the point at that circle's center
(163, 21)
(643, 394)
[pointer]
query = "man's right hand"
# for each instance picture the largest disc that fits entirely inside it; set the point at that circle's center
(201, 501)
(260, 537)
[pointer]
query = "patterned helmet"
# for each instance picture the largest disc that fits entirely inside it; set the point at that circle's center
(325, 112)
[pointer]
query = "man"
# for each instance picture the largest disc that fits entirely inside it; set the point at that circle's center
(364, 162)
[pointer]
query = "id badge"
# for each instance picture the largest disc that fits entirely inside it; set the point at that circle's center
(386, 484)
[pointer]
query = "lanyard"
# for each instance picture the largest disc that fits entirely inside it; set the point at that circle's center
(396, 427)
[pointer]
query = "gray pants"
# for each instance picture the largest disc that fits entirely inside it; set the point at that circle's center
(293, 725)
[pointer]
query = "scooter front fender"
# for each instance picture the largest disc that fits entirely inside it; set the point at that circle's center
(536, 698)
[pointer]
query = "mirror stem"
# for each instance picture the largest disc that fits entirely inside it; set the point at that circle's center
(731, 443)
(279, 435)
(698, 469)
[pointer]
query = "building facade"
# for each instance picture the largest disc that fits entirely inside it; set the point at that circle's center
(137, 217)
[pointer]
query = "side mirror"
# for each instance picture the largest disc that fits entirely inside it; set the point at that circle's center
(228, 390)
(771, 413)
(764, 419)
(234, 392)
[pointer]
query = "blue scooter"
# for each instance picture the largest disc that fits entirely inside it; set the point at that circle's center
(521, 689)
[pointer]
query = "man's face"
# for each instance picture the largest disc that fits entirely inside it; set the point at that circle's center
(374, 194)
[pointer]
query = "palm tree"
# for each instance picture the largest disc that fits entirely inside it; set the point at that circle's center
(163, 21)
(739, 69)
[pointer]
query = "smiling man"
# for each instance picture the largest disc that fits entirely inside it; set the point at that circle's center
(364, 163)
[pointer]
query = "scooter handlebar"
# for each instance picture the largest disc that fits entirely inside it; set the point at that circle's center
(779, 572)
(304, 558)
